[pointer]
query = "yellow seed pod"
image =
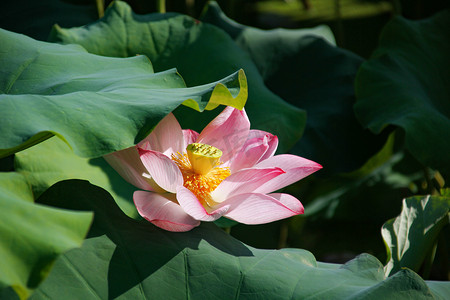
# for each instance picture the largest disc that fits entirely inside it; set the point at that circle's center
(203, 157)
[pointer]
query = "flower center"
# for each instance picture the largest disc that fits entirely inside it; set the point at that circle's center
(201, 171)
(203, 157)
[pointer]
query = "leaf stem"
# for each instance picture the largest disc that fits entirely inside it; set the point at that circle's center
(340, 26)
(428, 261)
(431, 189)
(439, 179)
(284, 231)
(161, 6)
(397, 7)
(100, 8)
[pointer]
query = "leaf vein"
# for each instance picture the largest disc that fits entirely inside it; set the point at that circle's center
(78, 274)
(19, 73)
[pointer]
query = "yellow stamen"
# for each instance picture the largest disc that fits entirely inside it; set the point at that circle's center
(200, 185)
(203, 157)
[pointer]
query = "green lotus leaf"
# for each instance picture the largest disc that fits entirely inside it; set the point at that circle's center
(32, 236)
(96, 104)
(52, 160)
(248, 37)
(412, 235)
(406, 83)
(305, 68)
(200, 52)
(133, 259)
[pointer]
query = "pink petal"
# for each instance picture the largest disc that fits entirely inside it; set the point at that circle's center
(190, 136)
(296, 168)
(195, 209)
(260, 208)
(228, 132)
(249, 155)
(162, 169)
(128, 164)
(259, 145)
(167, 137)
(272, 140)
(244, 181)
(163, 212)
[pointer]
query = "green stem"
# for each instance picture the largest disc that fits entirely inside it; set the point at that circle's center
(428, 262)
(284, 231)
(430, 185)
(340, 27)
(190, 8)
(100, 8)
(439, 179)
(397, 7)
(161, 6)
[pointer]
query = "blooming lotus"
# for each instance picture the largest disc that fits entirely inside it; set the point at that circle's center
(226, 170)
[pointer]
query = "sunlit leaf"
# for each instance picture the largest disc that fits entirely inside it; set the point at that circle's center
(96, 104)
(200, 52)
(406, 83)
(52, 160)
(133, 259)
(32, 236)
(410, 236)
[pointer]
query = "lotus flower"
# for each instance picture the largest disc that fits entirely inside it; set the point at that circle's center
(226, 170)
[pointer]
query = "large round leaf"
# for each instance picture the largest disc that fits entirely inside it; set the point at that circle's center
(52, 160)
(200, 52)
(97, 104)
(136, 260)
(406, 83)
(303, 67)
(32, 236)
